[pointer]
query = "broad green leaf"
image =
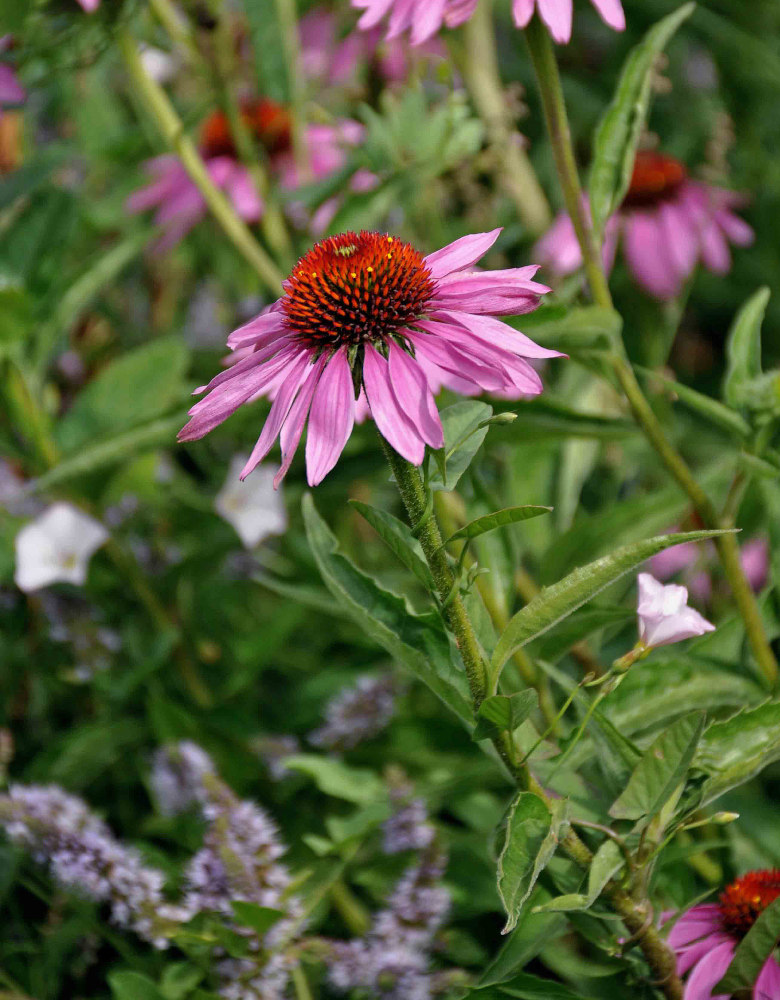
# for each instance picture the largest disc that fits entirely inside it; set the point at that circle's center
(533, 932)
(309, 597)
(526, 987)
(179, 980)
(270, 61)
(416, 641)
(138, 386)
(119, 448)
(544, 417)
(463, 437)
(528, 828)
(734, 751)
(498, 519)
(607, 861)
(504, 712)
(338, 779)
(558, 601)
(133, 986)
(752, 953)
(663, 767)
(743, 347)
(399, 539)
(572, 330)
(619, 131)
(259, 918)
(713, 411)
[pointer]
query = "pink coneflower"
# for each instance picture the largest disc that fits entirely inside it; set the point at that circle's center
(368, 312)
(178, 203)
(668, 223)
(422, 18)
(705, 938)
(558, 14)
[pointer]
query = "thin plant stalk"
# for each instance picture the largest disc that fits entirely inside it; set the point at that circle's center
(635, 915)
(160, 109)
(287, 16)
(546, 68)
(514, 172)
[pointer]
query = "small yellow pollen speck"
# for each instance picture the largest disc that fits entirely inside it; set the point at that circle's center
(353, 274)
(389, 239)
(314, 274)
(389, 256)
(369, 269)
(756, 899)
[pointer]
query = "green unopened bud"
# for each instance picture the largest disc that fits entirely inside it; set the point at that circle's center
(499, 418)
(723, 818)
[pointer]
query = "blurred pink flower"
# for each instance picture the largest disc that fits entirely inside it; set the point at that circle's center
(664, 615)
(354, 309)
(692, 561)
(705, 938)
(558, 14)
(330, 60)
(423, 18)
(668, 223)
(11, 91)
(89, 5)
(179, 204)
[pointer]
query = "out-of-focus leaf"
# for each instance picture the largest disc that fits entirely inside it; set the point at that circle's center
(752, 953)
(661, 770)
(28, 177)
(259, 918)
(120, 448)
(533, 931)
(579, 626)
(713, 411)
(268, 43)
(309, 597)
(140, 385)
(504, 712)
(179, 980)
(16, 313)
(558, 601)
(526, 987)
(607, 861)
(545, 417)
(573, 330)
(335, 778)
(463, 437)
(498, 519)
(525, 853)
(743, 347)
(417, 641)
(128, 985)
(734, 751)
(619, 131)
(399, 539)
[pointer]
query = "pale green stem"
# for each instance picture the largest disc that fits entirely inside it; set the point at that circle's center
(546, 67)
(170, 126)
(287, 16)
(513, 168)
(178, 29)
(351, 910)
(423, 520)
(301, 984)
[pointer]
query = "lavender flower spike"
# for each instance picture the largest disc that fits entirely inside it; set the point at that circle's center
(357, 713)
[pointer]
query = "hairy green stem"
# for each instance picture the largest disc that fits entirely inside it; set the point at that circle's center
(636, 916)
(156, 102)
(546, 67)
(479, 64)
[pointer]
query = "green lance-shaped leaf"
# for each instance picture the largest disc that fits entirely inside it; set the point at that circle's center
(465, 428)
(534, 932)
(752, 952)
(498, 519)
(266, 32)
(416, 641)
(619, 131)
(607, 861)
(735, 750)
(128, 985)
(530, 840)
(399, 539)
(661, 770)
(525, 986)
(259, 918)
(743, 348)
(558, 601)
(119, 448)
(333, 777)
(504, 712)
(713, 411)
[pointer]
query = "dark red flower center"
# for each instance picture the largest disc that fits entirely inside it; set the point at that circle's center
(356, 288)
(744, 900)
(656, 177)
(267, 121)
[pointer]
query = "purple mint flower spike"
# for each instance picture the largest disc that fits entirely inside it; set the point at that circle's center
(356, 714)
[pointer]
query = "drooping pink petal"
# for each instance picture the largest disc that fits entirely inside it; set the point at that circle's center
(428, 21)
(331, 418)
(709, 971)
(455, 359)
(646, 255)
(11, 91)
(292, 428)
(414, 395)
(523, 11)
(461, 254)
(694, 924)
(768, 983)
(611, 12)
(494, 333)
(557, 15)
(393, 423)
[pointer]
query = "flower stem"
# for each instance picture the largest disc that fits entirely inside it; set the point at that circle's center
(513, 168)
(156, 102)
(546, 67)
(634, 915)
(288, 24)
